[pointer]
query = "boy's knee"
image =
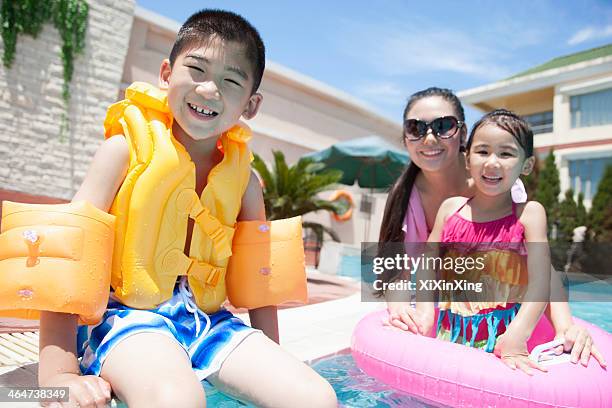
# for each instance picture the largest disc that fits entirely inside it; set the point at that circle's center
(325, 397)
(171, 394)
(319, 394)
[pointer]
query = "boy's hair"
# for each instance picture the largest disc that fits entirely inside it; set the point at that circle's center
(511, 123)
(227, 26)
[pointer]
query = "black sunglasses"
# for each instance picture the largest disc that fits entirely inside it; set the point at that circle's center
(443, 128)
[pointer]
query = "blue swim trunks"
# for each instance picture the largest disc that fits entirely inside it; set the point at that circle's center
(207, 339)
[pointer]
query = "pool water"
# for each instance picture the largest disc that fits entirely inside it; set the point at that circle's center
(356, 389)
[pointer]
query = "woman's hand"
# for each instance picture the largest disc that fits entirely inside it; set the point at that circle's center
(404, 316)
(578, 340)
(513, 352)
(85, 391)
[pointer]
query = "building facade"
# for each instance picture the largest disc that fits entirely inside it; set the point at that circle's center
(568, 102)
(37, 156)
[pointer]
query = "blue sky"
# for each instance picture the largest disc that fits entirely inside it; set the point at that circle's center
(381, 51)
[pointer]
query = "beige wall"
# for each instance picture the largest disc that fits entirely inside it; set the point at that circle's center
(34, 158)
(540, 100)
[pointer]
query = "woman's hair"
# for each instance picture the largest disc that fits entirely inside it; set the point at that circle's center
(399, 195)
(511, 123)
(397, 201)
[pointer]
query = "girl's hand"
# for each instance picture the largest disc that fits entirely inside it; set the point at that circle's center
(404, 316)
(578, 340)
(513, 353)
(85, 391)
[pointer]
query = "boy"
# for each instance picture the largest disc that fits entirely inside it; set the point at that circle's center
(155, 357)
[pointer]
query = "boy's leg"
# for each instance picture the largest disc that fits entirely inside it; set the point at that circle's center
(261, 372)
(152, 370)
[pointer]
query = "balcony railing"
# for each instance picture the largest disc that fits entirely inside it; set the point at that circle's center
(542, 128)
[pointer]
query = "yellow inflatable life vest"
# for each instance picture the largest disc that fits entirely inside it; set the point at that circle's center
(157, 197)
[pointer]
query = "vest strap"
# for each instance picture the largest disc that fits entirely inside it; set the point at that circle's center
(213, 228)
(176, 263)
(206, 273)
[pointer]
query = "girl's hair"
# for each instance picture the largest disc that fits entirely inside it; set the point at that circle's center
(397, 201)
(511, 123)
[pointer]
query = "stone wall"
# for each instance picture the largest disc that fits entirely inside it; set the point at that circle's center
(34, 157)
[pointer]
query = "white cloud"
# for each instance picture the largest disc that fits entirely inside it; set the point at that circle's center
(399, 50)
(590, 33)
(380, 91)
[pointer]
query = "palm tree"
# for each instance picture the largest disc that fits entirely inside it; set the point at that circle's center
(290, 191)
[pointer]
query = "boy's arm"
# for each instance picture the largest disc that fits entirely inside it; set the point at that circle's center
(263, 318)
(58, 330)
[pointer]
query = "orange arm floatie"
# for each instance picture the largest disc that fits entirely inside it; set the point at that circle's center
(267, 265)
(56, 258)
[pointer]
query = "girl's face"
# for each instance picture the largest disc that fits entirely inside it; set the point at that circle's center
(431, 153)
(496, 160)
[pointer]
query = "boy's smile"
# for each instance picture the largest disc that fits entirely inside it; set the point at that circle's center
(202, 111)
(209, 89)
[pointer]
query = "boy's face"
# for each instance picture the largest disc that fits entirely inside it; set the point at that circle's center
(209, 88)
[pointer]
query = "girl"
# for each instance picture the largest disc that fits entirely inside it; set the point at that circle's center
(499, 150)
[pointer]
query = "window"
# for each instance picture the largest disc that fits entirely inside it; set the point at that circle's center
(586, 174)
(591, 109)
(540, 122)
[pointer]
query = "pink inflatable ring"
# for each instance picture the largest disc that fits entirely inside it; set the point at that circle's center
(456, 375)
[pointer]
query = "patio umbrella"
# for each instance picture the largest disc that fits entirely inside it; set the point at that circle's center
(370, 161)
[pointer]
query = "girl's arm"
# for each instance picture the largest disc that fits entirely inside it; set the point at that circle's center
(513, 346)
(578, 340)
(58, 362)
(536, 298)
(263, 318)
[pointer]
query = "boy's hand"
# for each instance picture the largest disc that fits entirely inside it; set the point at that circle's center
(404, 316)
(578, 340)
(85, 391)
(513, 352)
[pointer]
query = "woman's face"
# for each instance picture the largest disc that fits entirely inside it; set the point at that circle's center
(431, 153)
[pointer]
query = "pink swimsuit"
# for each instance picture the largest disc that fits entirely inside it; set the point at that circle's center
(479, 322)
